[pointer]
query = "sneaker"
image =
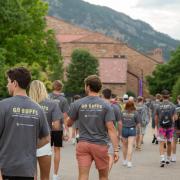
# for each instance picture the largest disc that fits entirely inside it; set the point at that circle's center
(55, 177)
(129, 164)
(154, 139)
(124, 163)
(73, 141)
(167, 161)
(173, 159)
(162, 164)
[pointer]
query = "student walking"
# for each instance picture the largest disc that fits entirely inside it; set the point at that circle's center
(95, 118)
(106, 94)
(130, 121)
(54, 115)
(57, 136)
(23, 125)
(165, 116)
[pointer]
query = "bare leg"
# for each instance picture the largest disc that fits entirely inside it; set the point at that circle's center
(168, 149)
(84, 173)
(161, 148)
(103, 174)
(174, 146)
(125, 146)
(56, 159)
(130, 147)
(44, 165)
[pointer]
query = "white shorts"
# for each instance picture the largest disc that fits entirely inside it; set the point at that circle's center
(44, 151)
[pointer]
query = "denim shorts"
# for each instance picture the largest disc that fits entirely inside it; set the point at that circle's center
(128, 132)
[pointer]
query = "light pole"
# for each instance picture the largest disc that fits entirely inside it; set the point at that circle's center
(141, 84)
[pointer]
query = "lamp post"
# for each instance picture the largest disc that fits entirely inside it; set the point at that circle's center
(141, 84)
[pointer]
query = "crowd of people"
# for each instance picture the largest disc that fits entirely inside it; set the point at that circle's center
(33, 124)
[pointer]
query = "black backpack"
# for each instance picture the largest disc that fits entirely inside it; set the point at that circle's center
(166, 116)
(177, 122)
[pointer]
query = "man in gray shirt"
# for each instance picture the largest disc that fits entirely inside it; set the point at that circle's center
(57, 136)
(165, 116)
(95, 118)
(22, 123)
(107, 94)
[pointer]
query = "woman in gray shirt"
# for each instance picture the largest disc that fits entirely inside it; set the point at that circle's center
(39, 94)
(129, 122)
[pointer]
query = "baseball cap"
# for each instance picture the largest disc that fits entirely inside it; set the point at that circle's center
(125, 97)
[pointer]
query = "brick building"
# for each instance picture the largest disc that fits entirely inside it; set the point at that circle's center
(122, 68)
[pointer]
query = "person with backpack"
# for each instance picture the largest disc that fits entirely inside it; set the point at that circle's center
(165, 116)
(153, 106)
(57, 136)
(176, 131)
(144, 120)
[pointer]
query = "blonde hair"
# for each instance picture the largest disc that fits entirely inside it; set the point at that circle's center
(37, 91)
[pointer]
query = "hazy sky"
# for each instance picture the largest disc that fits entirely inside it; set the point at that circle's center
(162, 15)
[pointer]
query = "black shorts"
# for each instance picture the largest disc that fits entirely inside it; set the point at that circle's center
(17, 178)
(57, 138)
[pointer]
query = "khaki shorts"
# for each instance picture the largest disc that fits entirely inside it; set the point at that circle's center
(87, 152)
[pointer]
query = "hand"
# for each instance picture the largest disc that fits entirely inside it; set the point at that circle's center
(66, 138)
(116, 156)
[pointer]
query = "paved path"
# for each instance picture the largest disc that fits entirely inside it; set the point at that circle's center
(145, 165)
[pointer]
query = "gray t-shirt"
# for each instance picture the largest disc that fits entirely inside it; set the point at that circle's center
(63, 104)
(153, 106)
(52, 110)
(130, 119)
(22, 122)
(164, 106)
(92, 113)
(117, 112)
(62, 101)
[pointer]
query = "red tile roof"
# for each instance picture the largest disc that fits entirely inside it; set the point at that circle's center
(113, 70)
(68, 37)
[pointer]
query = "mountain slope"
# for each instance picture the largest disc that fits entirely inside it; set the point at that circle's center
(135, 33)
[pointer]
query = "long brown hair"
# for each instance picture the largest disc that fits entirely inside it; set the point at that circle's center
(130, 106)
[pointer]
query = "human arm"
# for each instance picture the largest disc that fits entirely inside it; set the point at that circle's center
(44, 131)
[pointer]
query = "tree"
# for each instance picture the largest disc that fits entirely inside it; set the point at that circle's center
(176, 90)
(24, 37)
(82, 65)
(165, 75)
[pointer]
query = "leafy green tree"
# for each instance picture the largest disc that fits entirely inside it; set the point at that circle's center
(82, 65)
(3, 68)
(24, 38)
(165, 75)
(176, 90)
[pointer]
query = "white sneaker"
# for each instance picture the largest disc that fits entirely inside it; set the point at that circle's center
(73, 141)
(173, 159)
(129, 164)
(55, 177)
(124, 163)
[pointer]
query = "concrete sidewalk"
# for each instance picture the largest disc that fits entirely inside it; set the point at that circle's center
(145, 165)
